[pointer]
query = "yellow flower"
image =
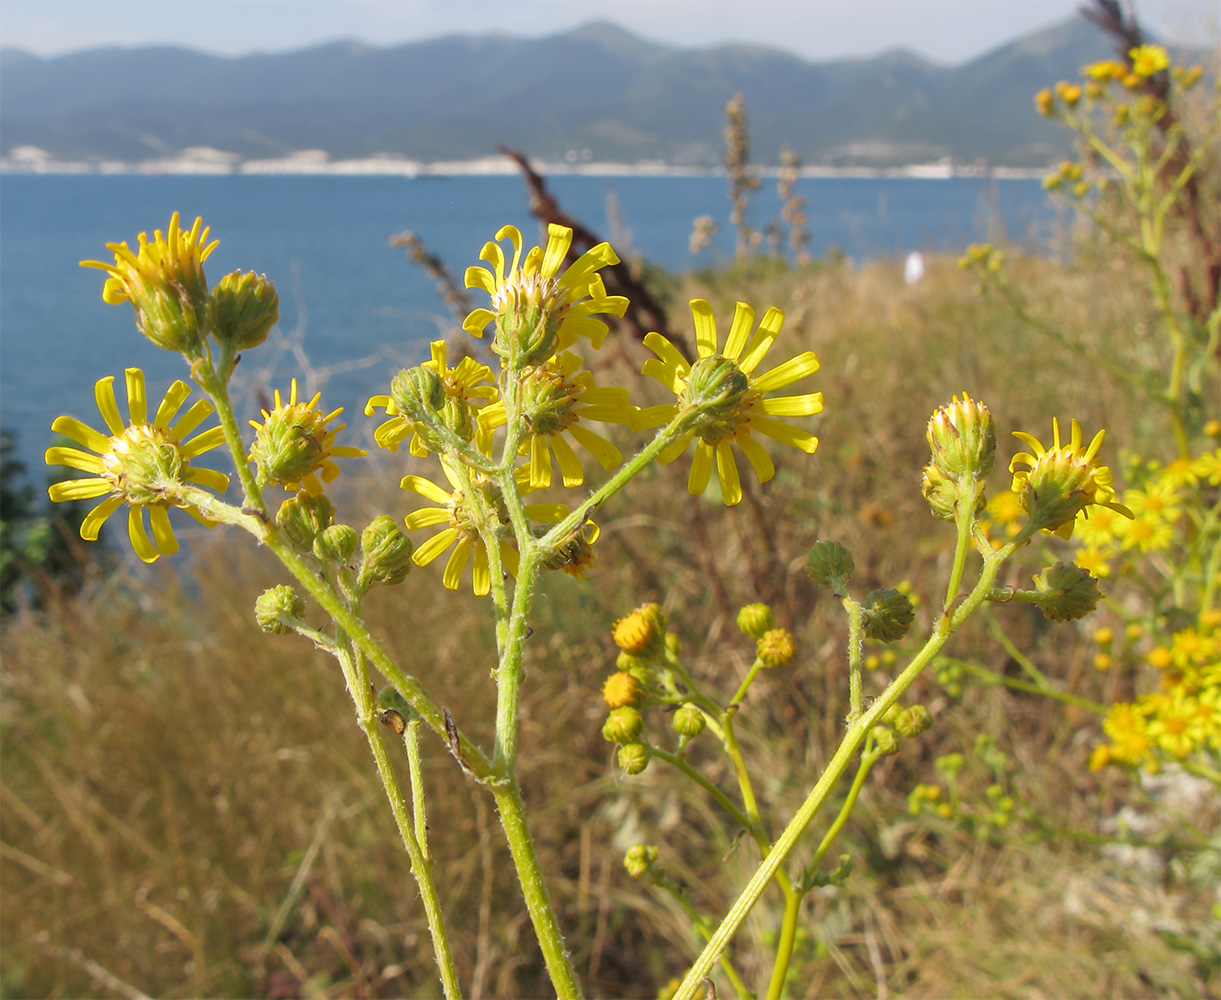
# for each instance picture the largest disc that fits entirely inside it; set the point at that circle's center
(468, 387)
(164, 282)
(1096, 562)
(555, 398)
(141, 463)
(293, 444)
(1062, 481)
(1106, 70)
(1208, 466)
(456, 514)
(1159, 502)
(730, 397)
(1127, 727)
(1148, 59)
(1179, 473)
(538, 310)
(1146, 533)
(1177, 727)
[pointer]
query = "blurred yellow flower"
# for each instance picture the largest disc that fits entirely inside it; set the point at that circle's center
(1148, 59)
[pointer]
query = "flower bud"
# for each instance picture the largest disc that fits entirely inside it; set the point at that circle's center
(755, 619)
(689, 721)
(303, 517)
(242, 309)
(911, 722)
(776, 648)
(1067, 592)
(529, 311)
(623, 725)
(287, 449)
(639, 859)
(1045, 103)
(1069, 93)
(830, 565)
(337, 544)
(884, 741)
(385, 554)
(634, 665)
(621, 690)
(940, 492)
(275, 606)
(962, 437)
(888, 614)
(642, 632)
(633, 758)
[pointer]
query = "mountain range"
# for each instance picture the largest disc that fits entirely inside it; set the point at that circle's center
(595, 93)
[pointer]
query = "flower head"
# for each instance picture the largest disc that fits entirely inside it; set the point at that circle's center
(539, 310)
(729, 396)
(558, 399)
(141, 463)
(164, 281)
(293, 444)
(464, 390)
(1148, 59)
(456, 512)
(1062, 481)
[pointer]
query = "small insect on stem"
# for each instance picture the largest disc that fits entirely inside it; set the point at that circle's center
(393, 720)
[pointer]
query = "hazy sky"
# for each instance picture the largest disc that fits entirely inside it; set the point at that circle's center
(947, 31)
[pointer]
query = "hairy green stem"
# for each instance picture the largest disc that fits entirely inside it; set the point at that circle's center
(366, 710)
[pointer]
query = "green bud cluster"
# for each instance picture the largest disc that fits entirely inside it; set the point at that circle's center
(639, 859)
(385, 554)
(623, 725)
(689, 721)
(303, 517)
(756, 619)
(336, 544)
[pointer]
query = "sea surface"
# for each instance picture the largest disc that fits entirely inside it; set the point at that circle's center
(353, 310)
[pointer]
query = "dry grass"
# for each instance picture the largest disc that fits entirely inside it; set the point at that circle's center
(189, 810)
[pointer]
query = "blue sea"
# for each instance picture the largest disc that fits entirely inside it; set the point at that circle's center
(358, 308)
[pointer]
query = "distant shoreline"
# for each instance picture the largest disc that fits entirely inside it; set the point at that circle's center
(211, 162)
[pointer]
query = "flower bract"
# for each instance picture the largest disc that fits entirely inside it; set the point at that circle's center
(141, 463)
(730, 396)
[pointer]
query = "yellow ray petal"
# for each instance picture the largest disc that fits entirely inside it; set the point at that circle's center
(429, 550)
(163, 532)
(787, 373)
(794, 406)
(743, 321)
(74, 459)
(727, 473)
(607, 455)
(108, 407)
(701, 468)
(174, 398)
(672, 452)
(81, 433)
(481, 578)
(139, 537)
(705, 328)
(78, 489)
(192, 419)
(137, 401)
(209, 479)
(425, 517)
(570, 466)
(457, 563)
(425, 488)
(95, 518)
(206, 441)
(758, 457)
(540, 463)
(761, 342)
(668, 353)
(777, 430)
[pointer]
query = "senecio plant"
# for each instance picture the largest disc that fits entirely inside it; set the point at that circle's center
(498, 437)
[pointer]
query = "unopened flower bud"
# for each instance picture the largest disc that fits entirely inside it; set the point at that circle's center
(962, 437)
(1069, 93)
(277, 605)
(830, 565)
(940, 492)
(634, 665)
(639, 859)
(1066, 592)
(755, 619)
(303, 517)
(885, 741)
(776, 648)
(913, 721)
(242, 309)
(1045, 102)
(623, 725)
(337, 544)
(888, 614)
(642, 632)
(689, 721)
(621, 689)
(633, 758)
(385, 554)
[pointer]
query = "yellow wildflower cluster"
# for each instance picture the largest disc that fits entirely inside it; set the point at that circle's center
(545, 402)
(1182, 718)
(1159, 505)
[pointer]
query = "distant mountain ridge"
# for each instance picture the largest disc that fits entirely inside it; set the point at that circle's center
(597, 92)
